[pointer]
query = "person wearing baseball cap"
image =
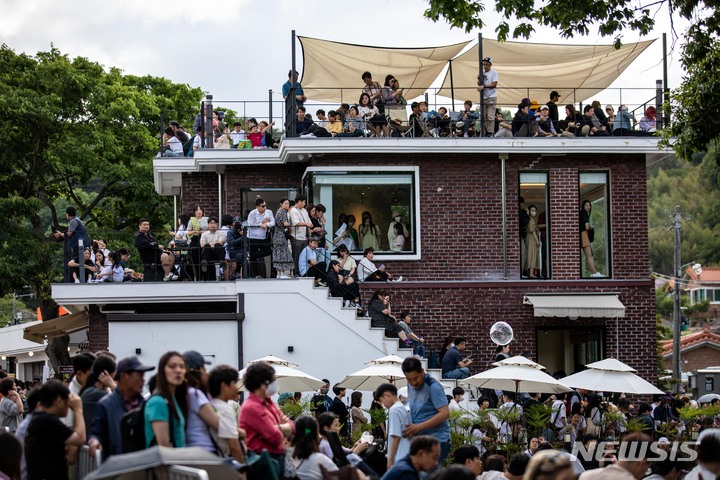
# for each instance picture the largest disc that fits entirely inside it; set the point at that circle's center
(104, 433)
(201, 416)
(487, 83)
(545, 125)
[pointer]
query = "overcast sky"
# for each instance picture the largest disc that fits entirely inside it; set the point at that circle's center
(240, 49)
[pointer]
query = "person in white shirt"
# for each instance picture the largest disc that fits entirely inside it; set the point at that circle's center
(237, 133)
(322, 120)
(454, 405)
(173, 144)
(487, 84)
(300, 222)
(398, 419)
(558, 419)
(222, 386)
(306, 453)
(260, 222)
(368, 272)
(212, 244)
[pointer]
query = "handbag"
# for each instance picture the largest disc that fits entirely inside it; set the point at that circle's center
(591, 235)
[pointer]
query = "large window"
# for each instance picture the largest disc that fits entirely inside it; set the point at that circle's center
(369, 207)
(594, 212)
(533, 230)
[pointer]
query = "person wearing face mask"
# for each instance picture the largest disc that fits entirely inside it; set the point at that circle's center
(265, 425)
(391, 235)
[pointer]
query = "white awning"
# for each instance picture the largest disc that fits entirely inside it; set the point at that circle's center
(575, 306)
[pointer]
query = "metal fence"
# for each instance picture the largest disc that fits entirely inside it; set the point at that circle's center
(85, 463)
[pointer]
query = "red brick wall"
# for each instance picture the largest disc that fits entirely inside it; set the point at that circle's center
(469, 309)
(461, 229)
(97, 329)
(461, 233)
(696, 359)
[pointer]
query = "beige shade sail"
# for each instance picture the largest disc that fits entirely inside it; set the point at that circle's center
(533, 70)
(332, 71)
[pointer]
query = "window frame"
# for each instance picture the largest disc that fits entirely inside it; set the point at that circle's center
(608, 274)
(412, 170)
(548, 230)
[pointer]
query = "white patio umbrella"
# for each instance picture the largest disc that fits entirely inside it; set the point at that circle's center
(519, 360)
(708, 397)
(610, 375)
(389, 359)
(289, 378)
(517, 374)
(387, 369)
(372, 376)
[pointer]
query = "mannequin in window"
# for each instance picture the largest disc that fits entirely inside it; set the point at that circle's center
(586, 232)
(532, 245)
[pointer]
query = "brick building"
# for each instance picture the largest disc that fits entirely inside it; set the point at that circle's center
(462, 260)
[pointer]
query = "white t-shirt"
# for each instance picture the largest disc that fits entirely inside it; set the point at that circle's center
(559, 412)
(175, 144)
(237, 136)
(209, 237)
(398, 418)
(298, 216)
(365, 269)
(490, 77)
(309, 468)
(227, 427)
(197, 432)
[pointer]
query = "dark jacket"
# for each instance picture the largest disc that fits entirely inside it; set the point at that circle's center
(106, 424)
(147, 248)
(402, 470)
(520, 119)
(234, 243)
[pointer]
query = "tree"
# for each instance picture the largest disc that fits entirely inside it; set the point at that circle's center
(77, 132)
(695, 186)
(695, 124)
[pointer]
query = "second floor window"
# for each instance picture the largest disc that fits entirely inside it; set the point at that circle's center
(533, 229)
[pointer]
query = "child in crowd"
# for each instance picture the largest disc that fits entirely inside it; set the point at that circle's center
(237, 133)
(257, 132)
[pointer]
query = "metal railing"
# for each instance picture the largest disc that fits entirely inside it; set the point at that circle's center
(85, 463)
(272, 109)
(181, 472)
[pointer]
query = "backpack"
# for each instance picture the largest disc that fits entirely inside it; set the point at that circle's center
(132, 429)
(188, 147)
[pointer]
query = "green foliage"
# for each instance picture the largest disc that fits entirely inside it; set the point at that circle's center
(695, 188)
(611, 17)
(537, 418)
(294, 410)
(461, 424)
(76, 133)
(6, 309)
(695, 125)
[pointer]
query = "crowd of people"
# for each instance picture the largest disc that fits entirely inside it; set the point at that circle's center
(377, 114)
(187, 405)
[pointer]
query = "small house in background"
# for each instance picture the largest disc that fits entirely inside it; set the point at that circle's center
(698, 350)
